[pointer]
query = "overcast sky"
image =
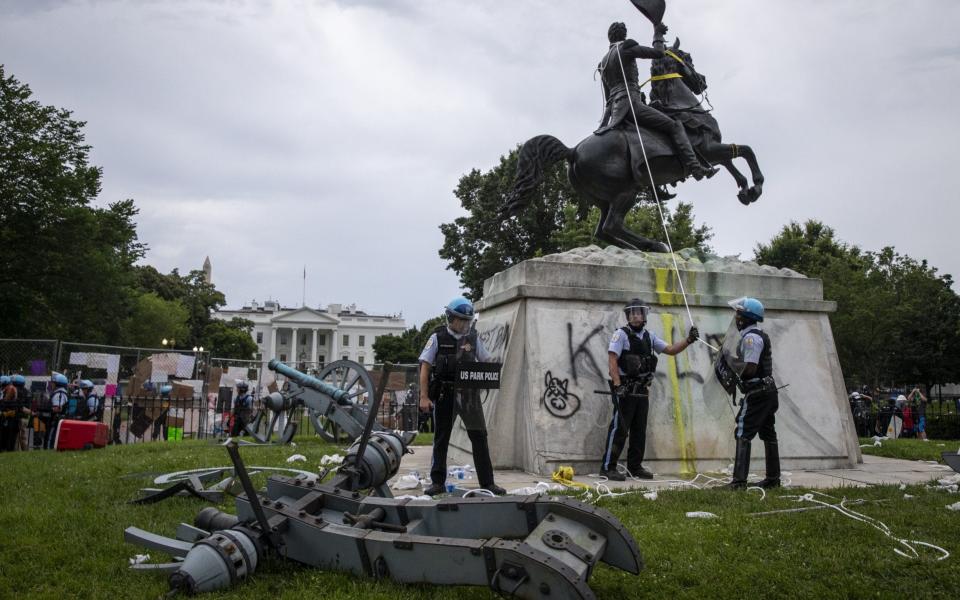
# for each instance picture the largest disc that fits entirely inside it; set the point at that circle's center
(270, 136)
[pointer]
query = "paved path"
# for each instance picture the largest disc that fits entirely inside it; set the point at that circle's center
(875, 470)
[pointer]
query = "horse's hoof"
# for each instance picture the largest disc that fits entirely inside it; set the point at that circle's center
(755, 192)
(744, 197)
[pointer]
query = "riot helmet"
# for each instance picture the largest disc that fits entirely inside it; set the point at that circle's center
(60, 379)
(18, 380)
(165, 390)
(459, 310)
(86, 384)
(242, 385)
(4, 379)
(636, 313)
(749, 311)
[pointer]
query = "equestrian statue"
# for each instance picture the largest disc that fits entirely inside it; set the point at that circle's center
(640, 147)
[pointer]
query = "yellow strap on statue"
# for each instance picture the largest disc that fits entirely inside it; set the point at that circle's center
(672, 55)
(662, 77)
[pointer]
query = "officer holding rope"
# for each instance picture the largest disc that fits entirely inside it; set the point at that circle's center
(633, 362)
(760, 401)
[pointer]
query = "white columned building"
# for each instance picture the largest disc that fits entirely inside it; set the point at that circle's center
(311, 337)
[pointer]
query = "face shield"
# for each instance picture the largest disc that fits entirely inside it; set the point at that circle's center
(636, 312)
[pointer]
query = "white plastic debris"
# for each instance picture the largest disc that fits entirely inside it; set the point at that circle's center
(406, 482)
(908, 497)
(954, 506)
(701, 514)
(878, 444)
(542, 487)
(139, 559)
(331, 459)
(903, 486)
(653, 496)
(296, 458)
(412, 497)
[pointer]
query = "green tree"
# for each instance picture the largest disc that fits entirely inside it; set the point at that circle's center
(480, 244)
(405, 348)
(897, 320)
(65, 266)
(230, 339)
(197, 296)
(153, 319)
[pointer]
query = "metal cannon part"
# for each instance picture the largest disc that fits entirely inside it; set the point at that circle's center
(302, 379)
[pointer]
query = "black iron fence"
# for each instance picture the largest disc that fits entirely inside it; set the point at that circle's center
(940, 421)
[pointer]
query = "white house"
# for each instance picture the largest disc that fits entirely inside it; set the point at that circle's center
(308, 336)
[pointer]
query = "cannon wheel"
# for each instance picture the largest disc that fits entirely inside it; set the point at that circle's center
(351, 377)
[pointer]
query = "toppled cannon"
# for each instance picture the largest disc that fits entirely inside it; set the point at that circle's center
(529, 547)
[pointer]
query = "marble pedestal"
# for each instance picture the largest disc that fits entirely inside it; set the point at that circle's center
(549, 321)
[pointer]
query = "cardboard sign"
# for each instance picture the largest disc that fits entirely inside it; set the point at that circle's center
(478, 375)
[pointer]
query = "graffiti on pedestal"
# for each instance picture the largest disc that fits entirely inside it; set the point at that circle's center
(557, 399)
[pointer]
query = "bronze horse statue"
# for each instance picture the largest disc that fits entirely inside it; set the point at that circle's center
(606, 170)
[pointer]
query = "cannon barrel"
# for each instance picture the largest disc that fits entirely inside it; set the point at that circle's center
(339, 395)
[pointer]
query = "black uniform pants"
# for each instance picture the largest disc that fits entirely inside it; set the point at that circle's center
(467, 405)
(629, 418)
(9, 431)
(240, 421)
(757, 416)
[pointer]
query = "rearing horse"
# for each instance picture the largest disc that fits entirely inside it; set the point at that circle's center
(605, 171)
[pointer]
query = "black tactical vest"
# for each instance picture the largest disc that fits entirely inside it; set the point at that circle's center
(638, 361)
(449, 354)
(765, 365)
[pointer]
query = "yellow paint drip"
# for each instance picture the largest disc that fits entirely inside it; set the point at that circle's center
(664, 295)
(687, 456)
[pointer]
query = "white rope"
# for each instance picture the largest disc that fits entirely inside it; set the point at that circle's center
(876, 524)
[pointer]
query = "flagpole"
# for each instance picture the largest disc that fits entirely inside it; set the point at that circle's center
(304, 301)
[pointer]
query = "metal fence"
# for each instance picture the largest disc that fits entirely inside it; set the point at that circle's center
(200, 406)
(940, 422)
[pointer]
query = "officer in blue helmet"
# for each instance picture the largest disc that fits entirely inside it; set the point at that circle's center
(90, 403)
(9, 420)
(160, 423)
(59, 400)
(632, 361)
(449, 345)
(759, 405)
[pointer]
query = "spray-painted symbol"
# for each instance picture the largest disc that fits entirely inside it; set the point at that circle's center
(557, 400)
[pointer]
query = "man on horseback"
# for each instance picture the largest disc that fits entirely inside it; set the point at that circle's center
(621, 85)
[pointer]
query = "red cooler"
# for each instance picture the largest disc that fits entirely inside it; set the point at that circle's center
(80, 435)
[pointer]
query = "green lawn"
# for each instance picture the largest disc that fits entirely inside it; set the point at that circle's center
(63, 516)
(423, 439)
(910, 449)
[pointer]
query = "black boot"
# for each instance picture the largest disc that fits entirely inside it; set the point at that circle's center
(772, 480)
(741, 465)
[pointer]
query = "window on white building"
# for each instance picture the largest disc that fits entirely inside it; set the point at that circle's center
(322, 339)
(346, 340)
(283, 358)
(283, 339)
(360, 359)
(259, 337)
(362, 340)
(303, 340)
(322, 359)
(345, 357)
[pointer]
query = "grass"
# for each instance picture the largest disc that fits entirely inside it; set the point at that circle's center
(910, 448)
(423, 439)
(63, 515)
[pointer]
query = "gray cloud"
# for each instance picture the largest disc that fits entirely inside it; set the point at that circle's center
(332, 134)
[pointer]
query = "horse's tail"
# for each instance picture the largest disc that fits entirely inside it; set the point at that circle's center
(536, 154)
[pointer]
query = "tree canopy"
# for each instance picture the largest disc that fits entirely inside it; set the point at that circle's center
(897, 319)
(69, 268)
(405, 348)
(480, 244)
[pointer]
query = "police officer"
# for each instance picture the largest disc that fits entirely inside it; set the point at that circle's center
(160, 423)
(760, 401)
(242, 409)
(449, 345)
(89, 401)
(632, 363)
(59, 401)
(9, 419)
(24, 402)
